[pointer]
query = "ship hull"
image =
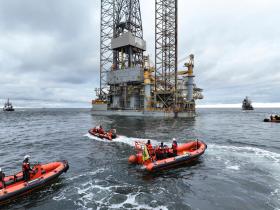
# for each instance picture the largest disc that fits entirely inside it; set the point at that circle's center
(8, 109)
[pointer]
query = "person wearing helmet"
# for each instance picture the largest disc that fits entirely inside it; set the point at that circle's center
(26, 169)
(2, 181)
(174, 147)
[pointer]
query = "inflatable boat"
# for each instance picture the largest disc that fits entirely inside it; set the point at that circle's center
(271, 120)
(109, 135)
(186, 153)
(42, 175)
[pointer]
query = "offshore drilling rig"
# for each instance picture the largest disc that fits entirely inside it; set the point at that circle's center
(129, 85)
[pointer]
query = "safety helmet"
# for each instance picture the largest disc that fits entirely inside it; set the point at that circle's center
(26, 157)
(0, 169)
(174, 139)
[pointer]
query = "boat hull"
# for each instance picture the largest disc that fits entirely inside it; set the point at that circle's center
(271, 121)
(101, 136)
(187, 153)
(40, 179)
(8, 110)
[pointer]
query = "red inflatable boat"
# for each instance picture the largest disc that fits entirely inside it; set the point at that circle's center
(43, 175)
(186, 153)
(109, 135)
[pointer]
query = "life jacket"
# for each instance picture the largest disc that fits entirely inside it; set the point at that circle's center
(161, 150)
(25, 166)
(174, 146)
(150, 149)
(149, 146)
(101, 131)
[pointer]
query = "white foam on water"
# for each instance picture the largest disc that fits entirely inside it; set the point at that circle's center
(261, 154)
(274, 198)
(276, 192)
(91, 191)
(63, 193)
(260, 158)
(234, 167)
(122, 139)
(59, 197)
(92, 173)
(231, 166)
(131, 199)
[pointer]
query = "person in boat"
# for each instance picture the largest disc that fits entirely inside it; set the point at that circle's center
(149, 145)
(174, 147)
(160, 152)
(151, 150)
(26, 169)
(101, 130)
(2, 181)
(271, 117)
(112, 133)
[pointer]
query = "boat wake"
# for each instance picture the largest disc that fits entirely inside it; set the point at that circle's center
(248, 152)
(122, 139)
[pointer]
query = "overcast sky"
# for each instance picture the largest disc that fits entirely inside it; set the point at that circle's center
(49, 49)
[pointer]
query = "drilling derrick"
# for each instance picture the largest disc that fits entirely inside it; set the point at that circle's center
(128, 26)
(126, 77)
(106, 53)
(166, 53)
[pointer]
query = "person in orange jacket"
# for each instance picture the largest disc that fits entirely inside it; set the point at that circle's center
(150, 148)
(2, 181)
(26, 169)
(174, 147)
(101, 130)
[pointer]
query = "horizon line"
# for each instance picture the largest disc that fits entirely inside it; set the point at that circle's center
(200, 106)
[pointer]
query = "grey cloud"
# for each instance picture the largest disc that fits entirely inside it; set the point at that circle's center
(49, 49)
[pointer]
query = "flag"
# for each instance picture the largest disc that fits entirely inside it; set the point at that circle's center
(145, 154)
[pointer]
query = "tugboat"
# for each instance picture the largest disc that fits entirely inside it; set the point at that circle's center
(8, 107)
(247, 104)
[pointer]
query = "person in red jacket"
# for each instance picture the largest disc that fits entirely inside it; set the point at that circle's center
(151, 150)
(2, 181)
(174, 147)
(26, 169)
(101, 130)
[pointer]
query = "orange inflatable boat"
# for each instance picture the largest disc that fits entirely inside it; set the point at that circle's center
(186, 153)
(109, 135)
(41, 176)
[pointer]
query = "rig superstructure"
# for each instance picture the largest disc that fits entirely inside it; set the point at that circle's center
(129, 85)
